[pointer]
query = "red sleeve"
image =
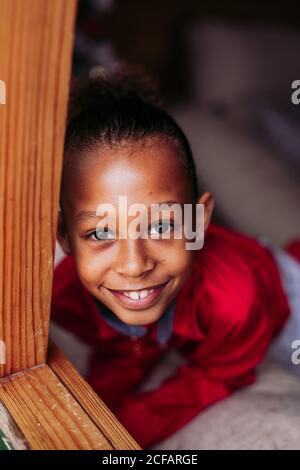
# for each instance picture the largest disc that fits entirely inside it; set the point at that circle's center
(205, 379)
(293, 248)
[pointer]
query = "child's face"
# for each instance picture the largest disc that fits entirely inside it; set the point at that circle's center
(114, 270)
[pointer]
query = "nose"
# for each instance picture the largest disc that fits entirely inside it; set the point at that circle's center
(133, 259)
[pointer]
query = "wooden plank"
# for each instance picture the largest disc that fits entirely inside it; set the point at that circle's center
(47, 414)
(36, 39)
(114, 432)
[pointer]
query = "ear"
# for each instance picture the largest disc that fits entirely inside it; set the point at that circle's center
(62, 235)
(208, 200)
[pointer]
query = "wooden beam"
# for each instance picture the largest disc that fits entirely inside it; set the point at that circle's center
(55, 409)
(47, 414)
(36, 39)
(103, 418)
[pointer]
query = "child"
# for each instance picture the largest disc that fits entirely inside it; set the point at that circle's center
(133, 299)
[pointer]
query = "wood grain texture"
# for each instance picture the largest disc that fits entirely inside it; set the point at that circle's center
(36, 39)
(114, 432)
(48, 415)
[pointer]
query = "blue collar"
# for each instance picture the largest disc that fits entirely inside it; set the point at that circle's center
(164, 324)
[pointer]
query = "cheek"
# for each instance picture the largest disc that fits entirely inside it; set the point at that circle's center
(92, 266)
(88, 274)
(178, 260)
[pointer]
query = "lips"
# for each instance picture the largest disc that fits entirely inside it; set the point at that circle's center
(138, 299)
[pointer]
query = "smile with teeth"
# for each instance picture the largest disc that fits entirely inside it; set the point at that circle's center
(141, 298)
(137, 294)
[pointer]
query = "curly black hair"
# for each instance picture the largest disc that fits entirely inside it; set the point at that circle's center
(119, 105)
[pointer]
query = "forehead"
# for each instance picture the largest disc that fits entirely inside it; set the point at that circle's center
(145, 172)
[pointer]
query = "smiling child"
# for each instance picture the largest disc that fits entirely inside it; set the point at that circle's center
(135, 298)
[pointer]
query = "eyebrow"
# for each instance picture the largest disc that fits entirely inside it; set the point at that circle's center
(85, 215)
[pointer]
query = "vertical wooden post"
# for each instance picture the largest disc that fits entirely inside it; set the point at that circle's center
(36, 39)
(52, 405)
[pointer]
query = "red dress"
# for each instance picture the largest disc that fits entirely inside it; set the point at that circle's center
(225, 317)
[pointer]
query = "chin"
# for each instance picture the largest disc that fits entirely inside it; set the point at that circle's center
(138, 318)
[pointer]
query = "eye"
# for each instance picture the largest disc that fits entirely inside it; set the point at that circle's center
(162, 227)
(101, 234)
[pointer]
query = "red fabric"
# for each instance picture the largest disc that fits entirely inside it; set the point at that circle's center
(225, 317)
(293, 248)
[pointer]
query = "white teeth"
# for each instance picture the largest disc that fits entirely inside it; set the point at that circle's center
(134, 295)
(144, 294)
(126, 294)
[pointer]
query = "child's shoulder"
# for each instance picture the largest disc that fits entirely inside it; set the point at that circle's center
(235, 271)
(230, 257)
(232, 243)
